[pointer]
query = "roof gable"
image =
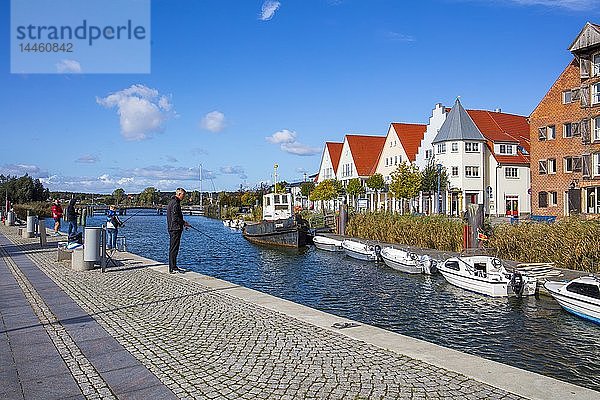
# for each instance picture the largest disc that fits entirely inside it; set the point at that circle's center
(335, 152)
(365, 152)
(588, 38)
(410, 136)
(458, 126)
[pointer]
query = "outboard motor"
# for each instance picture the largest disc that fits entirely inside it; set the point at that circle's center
(517, 284)
(378, 252)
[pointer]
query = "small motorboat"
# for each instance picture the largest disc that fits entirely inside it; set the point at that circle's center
(580, 296)
(407, 261)
(327, 243)
(361, 251)
(486, 275)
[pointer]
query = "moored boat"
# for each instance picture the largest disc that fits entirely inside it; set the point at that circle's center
(486, 275)
(327, 243)
(279, 226)
(580, 296)
(361, 251)
(406, 261)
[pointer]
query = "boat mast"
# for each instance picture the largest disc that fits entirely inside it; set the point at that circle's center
(275, 177)
(200, 173)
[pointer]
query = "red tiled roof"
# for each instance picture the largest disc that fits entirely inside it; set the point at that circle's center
(502, 127)
(335, 152)
(365, 152)
(410, 136)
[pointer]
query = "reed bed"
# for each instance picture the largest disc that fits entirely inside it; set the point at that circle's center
(572, 243)
(434, 232)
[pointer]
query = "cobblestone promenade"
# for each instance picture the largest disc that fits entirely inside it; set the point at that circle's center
(137, 332)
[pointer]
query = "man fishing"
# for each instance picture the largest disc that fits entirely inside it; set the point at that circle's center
(175, 225)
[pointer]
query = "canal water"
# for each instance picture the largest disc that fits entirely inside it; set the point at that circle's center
(530, 333)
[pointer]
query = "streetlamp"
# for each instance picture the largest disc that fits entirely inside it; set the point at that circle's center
(439, 195)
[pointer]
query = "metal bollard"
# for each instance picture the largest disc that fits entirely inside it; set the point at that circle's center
(30, 231)
(10, 218)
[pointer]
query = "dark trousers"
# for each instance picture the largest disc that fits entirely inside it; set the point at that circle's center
(175, 240)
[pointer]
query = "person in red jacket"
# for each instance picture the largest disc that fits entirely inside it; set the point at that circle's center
(57, 213)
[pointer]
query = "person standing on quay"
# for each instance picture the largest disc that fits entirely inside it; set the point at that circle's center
(57, 213)
(112, 227)
(72, 217)
(175, 225)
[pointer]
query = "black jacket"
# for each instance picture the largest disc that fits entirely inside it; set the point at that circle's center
(174, 215)
(71, 213)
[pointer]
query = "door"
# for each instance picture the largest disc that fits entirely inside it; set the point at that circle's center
(512, 206)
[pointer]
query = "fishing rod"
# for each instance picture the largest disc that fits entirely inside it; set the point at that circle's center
(136, 213)
(211, 238)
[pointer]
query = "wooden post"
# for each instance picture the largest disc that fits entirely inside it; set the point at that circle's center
(475, 217)
(42, 229)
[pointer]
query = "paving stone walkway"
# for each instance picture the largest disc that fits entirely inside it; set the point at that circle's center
(134, 332)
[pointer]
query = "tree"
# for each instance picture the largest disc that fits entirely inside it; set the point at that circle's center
(118, 195)
(354, 188)
(249, 198)
(148, 196)
(325, 191)
(376, 183)
(306, 188)
(406, 181)
(280, 187)
(429, 180)
(24, 189)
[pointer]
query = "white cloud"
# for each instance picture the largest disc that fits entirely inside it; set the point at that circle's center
(142, 111)
(88, 159)
(579, 5)
(399, 37)
(233, 170)
(214, 121)
(282, 136)
(68, 67)
(268, 9)
(287, 142)
(19, 170)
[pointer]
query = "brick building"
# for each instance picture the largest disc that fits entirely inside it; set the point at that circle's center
(565, 135)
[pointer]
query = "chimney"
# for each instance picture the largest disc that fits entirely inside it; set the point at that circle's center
(498, 110)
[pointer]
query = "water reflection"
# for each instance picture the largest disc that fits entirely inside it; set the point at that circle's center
(530, 333)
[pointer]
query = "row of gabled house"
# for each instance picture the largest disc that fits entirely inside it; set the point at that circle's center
(545, 164)
(485, 155)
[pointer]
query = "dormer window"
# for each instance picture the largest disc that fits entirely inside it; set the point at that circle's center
(506, 149)
(596, 64)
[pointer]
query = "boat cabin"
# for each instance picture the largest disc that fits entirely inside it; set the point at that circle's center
(277, 206)
(585, 286)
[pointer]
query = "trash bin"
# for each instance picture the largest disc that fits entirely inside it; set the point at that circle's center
(91, 246)
(30, 231)
(10, 218)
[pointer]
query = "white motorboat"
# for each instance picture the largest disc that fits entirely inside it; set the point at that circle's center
(486, 275)
(361, 251)
(407, 261)
(327, 243)
(580, 296)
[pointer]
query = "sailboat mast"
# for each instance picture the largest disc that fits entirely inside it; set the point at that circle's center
(275, 177)
(200, 173)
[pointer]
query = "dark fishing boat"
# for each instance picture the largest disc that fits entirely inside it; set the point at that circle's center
(279, 226)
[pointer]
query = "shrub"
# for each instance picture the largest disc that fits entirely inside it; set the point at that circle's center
(39, 208)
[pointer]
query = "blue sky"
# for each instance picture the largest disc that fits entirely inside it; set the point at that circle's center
(241, 85)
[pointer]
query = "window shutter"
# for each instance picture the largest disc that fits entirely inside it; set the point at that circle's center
(542, 133)
(584, 129)
(543, 167)
(576, 164)
(575, 94)
(575, 129)
(584, 67)
(543, 199)
(585, 96)
(586, 159)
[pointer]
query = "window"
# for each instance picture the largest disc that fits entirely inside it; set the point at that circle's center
(454, 147)
(597, 164)
(584, 289)
(471, 147)
(511, 172)
(551, 166)
(452, 265)
(552, 198)
(428, 154)
(596, 64)
(572, 164)
(551, 132)
(506, 149)
(543, 199)
(471, 172)
(347, 170)
(441, 148)
(566, 97)
(543, 167)
(387, 162)
(395, 160)
(596, 93)
(567, 130)
(454, 171)
(596, 124)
